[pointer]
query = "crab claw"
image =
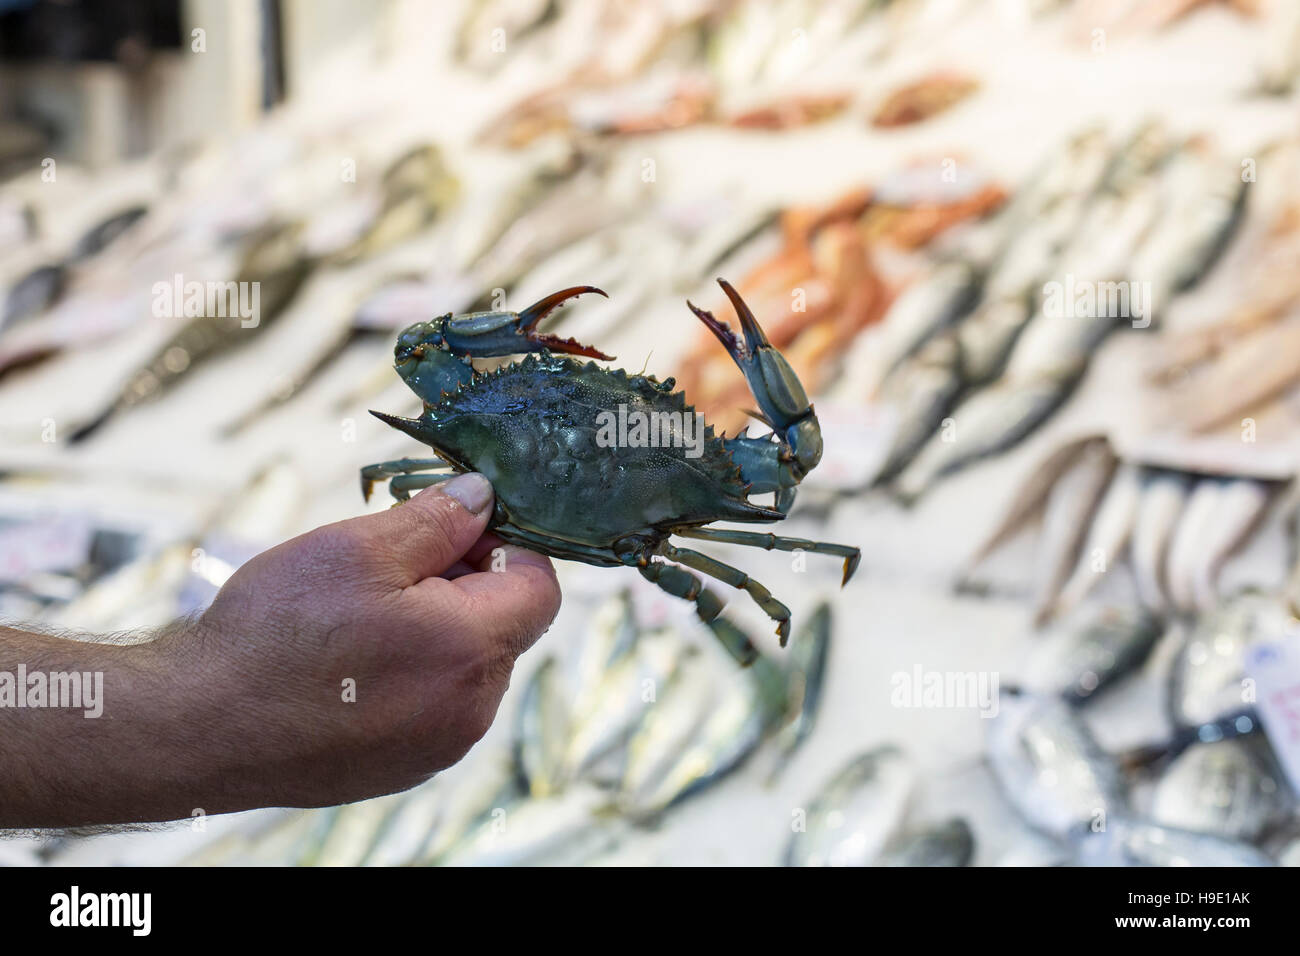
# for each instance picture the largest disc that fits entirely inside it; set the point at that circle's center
(508, 333)
(781, 397)
(534, 314)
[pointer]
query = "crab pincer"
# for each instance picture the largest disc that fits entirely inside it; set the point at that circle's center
(509, 333)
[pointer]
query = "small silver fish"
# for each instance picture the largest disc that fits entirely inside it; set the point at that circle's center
(565, 828)
(541, 731)
(857, 813)
(806, 678)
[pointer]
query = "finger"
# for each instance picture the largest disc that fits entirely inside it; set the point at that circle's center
(515, 604)
(429, 533)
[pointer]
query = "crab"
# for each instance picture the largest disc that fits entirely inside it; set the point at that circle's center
(536, 429)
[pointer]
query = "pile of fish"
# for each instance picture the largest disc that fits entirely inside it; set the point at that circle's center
(1175, 529)
(159, 424)
(637, 722)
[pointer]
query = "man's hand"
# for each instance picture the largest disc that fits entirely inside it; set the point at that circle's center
(352, 661)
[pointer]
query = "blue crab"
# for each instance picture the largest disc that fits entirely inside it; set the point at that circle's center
(534, 428)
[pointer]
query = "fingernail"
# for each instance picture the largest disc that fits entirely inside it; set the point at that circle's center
(473, 491)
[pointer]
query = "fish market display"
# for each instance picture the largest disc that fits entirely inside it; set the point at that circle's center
(1017, 317)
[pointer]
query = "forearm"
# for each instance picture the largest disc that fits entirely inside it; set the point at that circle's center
(89, 733)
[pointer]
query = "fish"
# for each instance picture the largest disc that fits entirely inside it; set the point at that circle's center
(1242, 506)
(625, 696)
(541, 731)
(1029, 499)
(950, 843)
(1207, 693)
(355, 830)
(1190, 536)
(409, 828)
(561, 829)
(1249, 372)
(1084, 660)
(805, 679)
(921, 391)
(104, 234)
(1207, 203)
(611, 635)
(990, 422)
(857, 813)
(749, 705)
(1050, 768)
(669, 729)
(935, 302)
(1067, 514)
(33, 294)
(273, 264)
(1230, 788)
(1141, 843)
(923, 99)
(1108, 536)
(1161, 502)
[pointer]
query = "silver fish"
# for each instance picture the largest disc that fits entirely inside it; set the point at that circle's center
(857, 813)
(1081, 661)
(622, 700)
(950, 843)
(565, 828)
(750, 704)
(1108, 535)
(921, 390)
(1135, 843)
(1190, 537)
(541, 731)
(669, 728)
(409, 828)
(1050, 768)
(1070, 507)
(1162, 502)
(987, 337)
(990, 422)
(1230, 788)
(928, 306)
(806, 678)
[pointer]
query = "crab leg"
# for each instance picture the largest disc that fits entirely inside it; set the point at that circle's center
(401, 486)
(681, 583)
(737, 579)
(782, 401)
(773, 542)
(387, 469)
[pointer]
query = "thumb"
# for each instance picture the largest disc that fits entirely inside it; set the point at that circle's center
(432, 530)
